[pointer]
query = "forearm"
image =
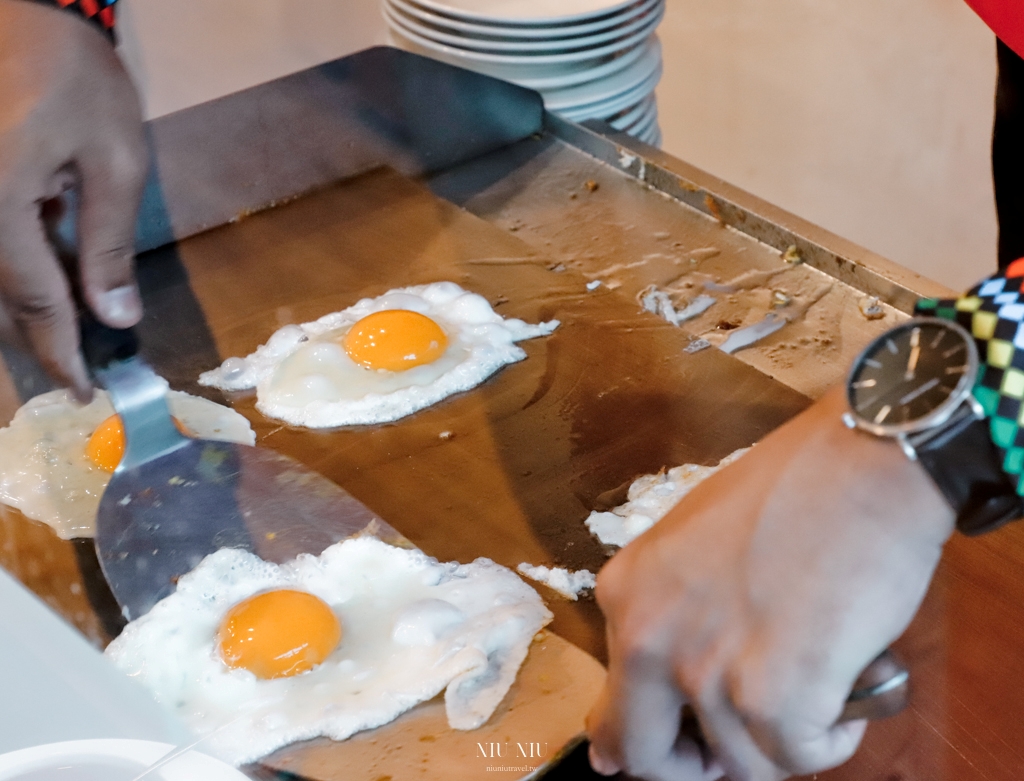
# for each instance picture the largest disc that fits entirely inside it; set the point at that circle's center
(97, 12)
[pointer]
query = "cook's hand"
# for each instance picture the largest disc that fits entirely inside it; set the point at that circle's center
(759, 599)
(69, 117)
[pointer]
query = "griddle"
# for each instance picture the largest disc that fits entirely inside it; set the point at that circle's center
(297, 197)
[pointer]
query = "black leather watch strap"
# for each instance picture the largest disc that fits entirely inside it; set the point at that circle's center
(967, 468)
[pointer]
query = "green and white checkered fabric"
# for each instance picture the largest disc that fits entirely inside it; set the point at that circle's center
(993, 312)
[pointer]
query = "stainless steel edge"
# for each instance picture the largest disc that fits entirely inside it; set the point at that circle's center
(839, 258)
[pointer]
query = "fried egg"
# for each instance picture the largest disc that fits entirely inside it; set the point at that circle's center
(379, 360)
(649, 498)
(56, 456)
(254, 656)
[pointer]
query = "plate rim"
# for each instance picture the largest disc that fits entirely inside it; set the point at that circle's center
(640, 91)
(575, 77)
(654, 15)
(646, 64)
(532, 33)
(142, 751)
(567, 19)
(622, 45)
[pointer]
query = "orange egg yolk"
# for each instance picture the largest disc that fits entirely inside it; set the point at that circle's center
(395, 340)
(277, 634)
(105, 447)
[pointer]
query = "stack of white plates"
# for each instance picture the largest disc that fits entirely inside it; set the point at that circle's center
(590, 59)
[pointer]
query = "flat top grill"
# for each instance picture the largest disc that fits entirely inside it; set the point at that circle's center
(293, 199)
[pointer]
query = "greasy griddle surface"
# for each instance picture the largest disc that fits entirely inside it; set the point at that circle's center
(223, 293)
(510, 469)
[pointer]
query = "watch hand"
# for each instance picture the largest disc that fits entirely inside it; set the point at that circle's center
(915, 354)
(920, 391)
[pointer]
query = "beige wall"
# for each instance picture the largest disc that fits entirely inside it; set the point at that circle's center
(871, 117)
(183, 52)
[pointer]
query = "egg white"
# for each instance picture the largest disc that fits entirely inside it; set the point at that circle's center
(304, 377)
(45, 472)
(411, 626)
(649, 498)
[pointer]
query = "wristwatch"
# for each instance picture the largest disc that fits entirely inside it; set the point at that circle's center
(913, 384)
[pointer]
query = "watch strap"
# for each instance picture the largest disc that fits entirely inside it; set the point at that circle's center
(966, 466)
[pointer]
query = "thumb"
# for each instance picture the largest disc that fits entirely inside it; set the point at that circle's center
(111, 180)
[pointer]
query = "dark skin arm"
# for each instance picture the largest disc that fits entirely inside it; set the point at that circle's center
(69, 117)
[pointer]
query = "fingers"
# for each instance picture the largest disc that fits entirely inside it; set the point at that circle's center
(764, 727)
(111, 178)
(635, 726)
(745, 759)
(796, 727)
(37, 297)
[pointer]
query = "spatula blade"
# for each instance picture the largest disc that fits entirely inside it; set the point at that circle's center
(158, 520)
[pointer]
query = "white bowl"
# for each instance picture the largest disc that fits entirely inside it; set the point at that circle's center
(528, 12)
(533, 33)
(110, 760)
(393, 11)
(472, 58)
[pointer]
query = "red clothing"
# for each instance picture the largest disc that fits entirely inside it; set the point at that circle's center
(99, 12)
(1006, 18)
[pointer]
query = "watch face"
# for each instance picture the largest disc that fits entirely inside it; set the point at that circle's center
(913, 376)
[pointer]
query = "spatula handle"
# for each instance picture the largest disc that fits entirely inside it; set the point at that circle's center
(103, 345)
(880, 691)
(139, 396)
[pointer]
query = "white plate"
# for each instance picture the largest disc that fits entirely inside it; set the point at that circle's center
(632, 116)
(538, 77)
(393, 11)
(528, 12)
(602, 89)
(651, 136)
(471, 58)
(533, 33)
(643, 128)
(110, 760)
(613, 105)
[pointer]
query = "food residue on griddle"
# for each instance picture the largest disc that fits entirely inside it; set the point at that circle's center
(792, 255)
(871, 308)
(566, 582)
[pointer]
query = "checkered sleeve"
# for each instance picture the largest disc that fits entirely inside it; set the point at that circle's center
(99, 12)
(993, 312)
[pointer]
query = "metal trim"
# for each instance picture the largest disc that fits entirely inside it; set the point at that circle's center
(783, 231)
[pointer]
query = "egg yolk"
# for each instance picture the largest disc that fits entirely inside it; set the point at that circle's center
(278, 634)
(395, 340)
(105, 447)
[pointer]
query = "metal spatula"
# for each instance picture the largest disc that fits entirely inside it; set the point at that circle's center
(174, 500)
